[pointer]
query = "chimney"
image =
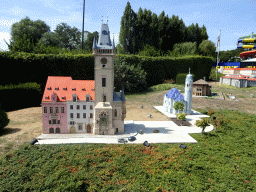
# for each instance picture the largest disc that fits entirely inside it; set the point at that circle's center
(204, 78)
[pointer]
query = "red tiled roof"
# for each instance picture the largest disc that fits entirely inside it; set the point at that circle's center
(241, 77)
(64, 87)
(240, 69)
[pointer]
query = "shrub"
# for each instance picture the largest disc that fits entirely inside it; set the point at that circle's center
(181, 78)
(4, 121)
(132, 78)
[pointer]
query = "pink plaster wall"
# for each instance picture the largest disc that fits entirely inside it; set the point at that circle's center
(60, 116)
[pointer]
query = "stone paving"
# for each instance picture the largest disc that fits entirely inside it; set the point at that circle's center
(169, 132)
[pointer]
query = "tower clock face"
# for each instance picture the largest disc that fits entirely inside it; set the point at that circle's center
(103, 60)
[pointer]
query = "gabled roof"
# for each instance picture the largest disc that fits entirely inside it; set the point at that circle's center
(175, 94)
(65, 87)
(201, 82)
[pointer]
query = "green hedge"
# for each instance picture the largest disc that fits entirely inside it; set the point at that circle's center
(30, 67)
(181, 78)
(14, 97)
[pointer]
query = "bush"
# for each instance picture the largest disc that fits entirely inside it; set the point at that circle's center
(181, 78)
(4, 121)
(132, 78)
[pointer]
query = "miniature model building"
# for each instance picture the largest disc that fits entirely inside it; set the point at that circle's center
(201, 88)
(86, 106)
(175, 96)
(239, 80)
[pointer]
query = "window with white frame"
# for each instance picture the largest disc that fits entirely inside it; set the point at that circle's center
(71, 115)
(71, 106)
(45, 109)
(62, 109)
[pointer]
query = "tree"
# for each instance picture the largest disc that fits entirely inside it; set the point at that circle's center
(26, 33)
(120, 49)
(4, 121)
(128, 34)
(50, 39)
(202, 123)
(150, 51)
(70, 37)
(89, 41)
(207, 48)
(178, 106)
(132, 78)
(210, 112)
(187, 48)
(182, 117)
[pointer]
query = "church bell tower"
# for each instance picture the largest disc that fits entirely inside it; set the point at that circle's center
(188, 93)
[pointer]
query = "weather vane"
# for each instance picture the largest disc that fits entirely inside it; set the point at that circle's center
(102, 19)
(107, 19)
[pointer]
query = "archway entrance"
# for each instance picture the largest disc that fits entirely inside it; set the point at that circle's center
(89, 129)
(72, 129)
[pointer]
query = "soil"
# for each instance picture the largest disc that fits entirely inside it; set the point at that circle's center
(180, 122)
(26, 124)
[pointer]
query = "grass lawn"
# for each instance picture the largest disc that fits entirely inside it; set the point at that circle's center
(221, 161)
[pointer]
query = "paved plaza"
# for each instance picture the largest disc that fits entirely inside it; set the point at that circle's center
(169, 132)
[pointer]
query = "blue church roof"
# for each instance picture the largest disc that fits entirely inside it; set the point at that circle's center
(175, 94)
(118, 96)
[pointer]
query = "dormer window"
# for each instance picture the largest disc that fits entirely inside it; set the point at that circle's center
(56, 88)
(73, 89)
(48, 88)
(63, 98)
(87, 98)
(47, 98)
(74, 98)
(65, 88)
(83, 89)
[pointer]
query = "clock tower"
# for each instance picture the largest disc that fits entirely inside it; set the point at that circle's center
(106, 106)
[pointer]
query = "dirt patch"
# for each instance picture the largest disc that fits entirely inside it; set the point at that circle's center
(180, 122)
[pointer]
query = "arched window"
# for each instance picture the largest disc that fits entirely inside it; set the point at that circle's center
(57, 130)
(115, 113)
(51, 130)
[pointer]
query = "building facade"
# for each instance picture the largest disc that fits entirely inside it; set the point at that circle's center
(201, 88)
(239, 80)
(86, 106)
(110, 106)
(175, 96)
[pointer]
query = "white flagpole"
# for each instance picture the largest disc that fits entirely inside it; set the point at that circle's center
(218, 47)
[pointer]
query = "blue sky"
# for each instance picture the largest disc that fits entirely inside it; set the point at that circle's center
(235, 18)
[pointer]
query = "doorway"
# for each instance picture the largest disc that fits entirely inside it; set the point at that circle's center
(89, 130)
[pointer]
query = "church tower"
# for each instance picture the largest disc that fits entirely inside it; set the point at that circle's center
(105, 111)
(188, 93)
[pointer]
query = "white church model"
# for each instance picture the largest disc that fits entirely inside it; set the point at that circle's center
(175, 96)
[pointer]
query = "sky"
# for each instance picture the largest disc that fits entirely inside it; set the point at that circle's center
(235, 18)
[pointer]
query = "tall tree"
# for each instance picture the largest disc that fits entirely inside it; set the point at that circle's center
(50, 39)
(31, 30)
(70, 37)
(89, 41)
(207, 48)
(162, 31)
(128, 29)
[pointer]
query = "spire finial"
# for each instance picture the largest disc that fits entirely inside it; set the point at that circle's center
(107, 19)
(102, 19)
